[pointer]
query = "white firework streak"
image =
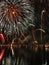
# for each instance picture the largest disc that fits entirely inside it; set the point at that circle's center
(17, 19)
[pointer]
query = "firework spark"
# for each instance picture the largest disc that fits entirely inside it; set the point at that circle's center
(15, 15)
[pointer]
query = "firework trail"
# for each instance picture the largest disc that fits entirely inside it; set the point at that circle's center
(15, 15)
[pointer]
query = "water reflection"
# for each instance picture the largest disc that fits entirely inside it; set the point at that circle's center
(37, 55)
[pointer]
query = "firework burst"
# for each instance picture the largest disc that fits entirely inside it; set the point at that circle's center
(15, 15)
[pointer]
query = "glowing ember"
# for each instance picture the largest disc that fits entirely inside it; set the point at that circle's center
(13, 12)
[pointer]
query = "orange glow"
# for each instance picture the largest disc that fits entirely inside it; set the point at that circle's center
(13, 12)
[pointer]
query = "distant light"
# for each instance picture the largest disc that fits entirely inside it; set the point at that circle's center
(13, 12)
